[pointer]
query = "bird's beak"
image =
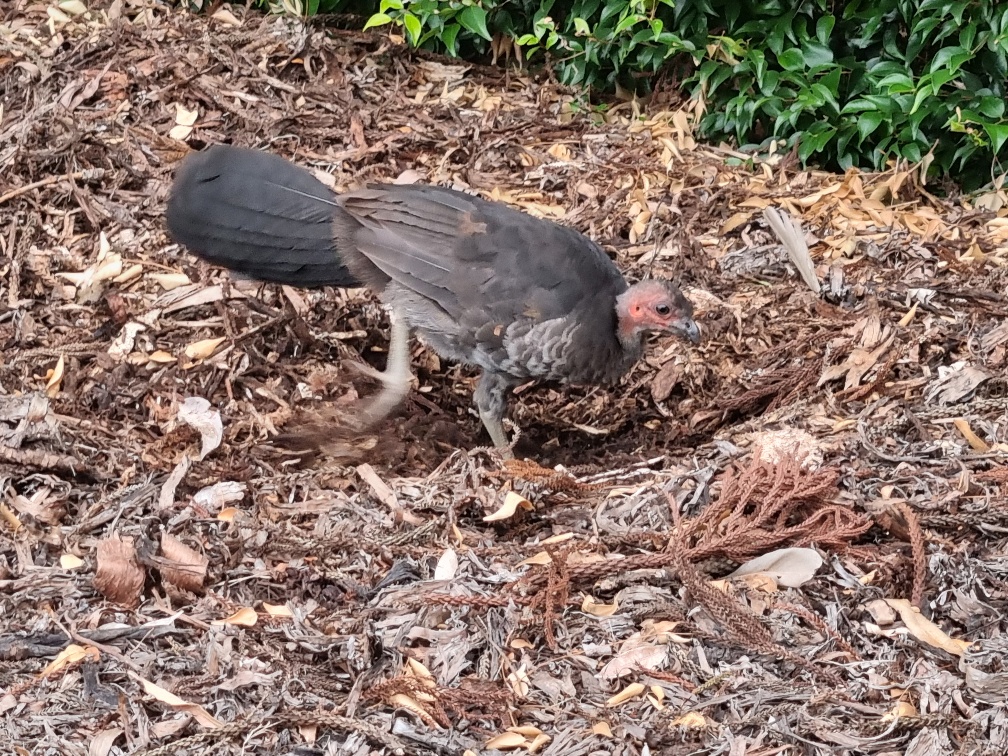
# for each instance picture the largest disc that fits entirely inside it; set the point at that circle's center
(688, 328)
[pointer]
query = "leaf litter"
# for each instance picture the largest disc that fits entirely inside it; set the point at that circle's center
(790, 537)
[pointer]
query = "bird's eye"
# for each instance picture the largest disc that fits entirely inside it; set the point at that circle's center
(663, 309)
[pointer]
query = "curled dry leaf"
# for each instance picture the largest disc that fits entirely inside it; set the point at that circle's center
(665, 380)
(201, 350)
(118, 575)
(183, 567)
(166, 498)
(214, 497)
(55, 378)
(73, 7)
(196, 411)
(244, 617)
(278, 610)
(507, 741)
(925, 630)
(631, 691)
(512, 503)
(102, 742)
(602, 729)
(691, 720)
(789, 567)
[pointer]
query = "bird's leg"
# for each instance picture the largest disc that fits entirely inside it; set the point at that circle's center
(396, 377)
(491, 403)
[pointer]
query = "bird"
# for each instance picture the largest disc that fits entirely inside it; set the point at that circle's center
(480, 283)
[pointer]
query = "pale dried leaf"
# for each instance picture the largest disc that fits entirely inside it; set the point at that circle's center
(196, 412)
(791, 567)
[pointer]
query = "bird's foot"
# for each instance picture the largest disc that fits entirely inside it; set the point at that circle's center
(495, 427)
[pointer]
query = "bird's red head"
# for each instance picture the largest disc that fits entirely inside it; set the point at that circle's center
(655, 305)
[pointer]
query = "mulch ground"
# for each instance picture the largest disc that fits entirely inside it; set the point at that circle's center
(195, 559)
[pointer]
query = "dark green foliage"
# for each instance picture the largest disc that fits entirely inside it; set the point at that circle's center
(850, 83)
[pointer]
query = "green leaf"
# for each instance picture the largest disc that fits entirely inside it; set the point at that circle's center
(390, 4)
(378, 19)
(791, 60)
(824, 27)
(867, 123)
(581, 27)
(922, 94)
(449, 37)
(627, 22)
(998, 133)
(413, 28)
(473, 18)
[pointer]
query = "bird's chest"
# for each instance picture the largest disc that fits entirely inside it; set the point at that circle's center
(564, 350)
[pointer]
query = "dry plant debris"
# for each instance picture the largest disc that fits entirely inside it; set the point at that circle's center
(791, 539)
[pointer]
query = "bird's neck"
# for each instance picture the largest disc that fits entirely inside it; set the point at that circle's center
(630, 337)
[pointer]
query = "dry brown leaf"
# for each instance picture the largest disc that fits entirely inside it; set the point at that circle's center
(603, 729)
(903, 709)
(881, 612)
(102, 742)
(507, 741)
(977, 443)
(589, 606)
(201, 350)
(244, 617)
(228, 514)
(278, 610)
(408, 703)
(183, 567)
(666, 380)
(198, 713)
(925, 630)
(735, 221)
(118, 575)
(647, 657)
(691, 720)
(55, 377)
(519, 681)
(69, 657)
(71, 562)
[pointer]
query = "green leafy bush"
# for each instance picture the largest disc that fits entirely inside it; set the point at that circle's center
(848, 83)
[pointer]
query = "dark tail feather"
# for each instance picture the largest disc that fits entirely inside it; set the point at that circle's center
(258, 214)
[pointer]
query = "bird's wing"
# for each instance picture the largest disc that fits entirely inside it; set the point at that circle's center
(483, 263)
